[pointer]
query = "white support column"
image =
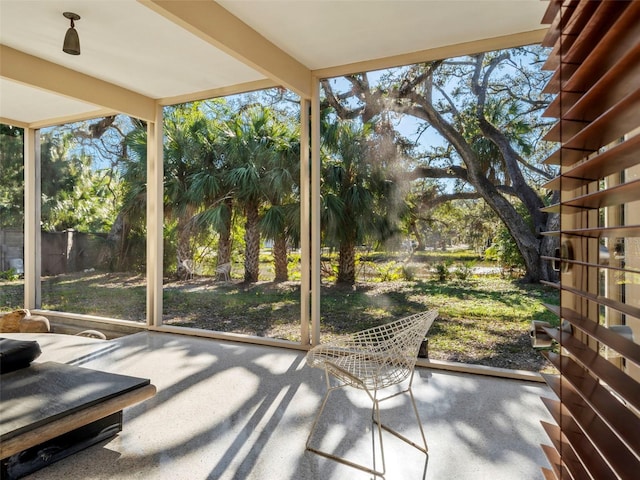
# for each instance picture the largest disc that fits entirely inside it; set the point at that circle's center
(305, 225)
(315, 212)
(155, 218)
(32, 248)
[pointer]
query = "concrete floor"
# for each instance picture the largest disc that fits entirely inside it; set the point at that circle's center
(237, 411)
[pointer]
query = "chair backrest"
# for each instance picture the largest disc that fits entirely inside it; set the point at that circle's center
(399, 339)
(402, 338)
(377, 357)
(394, 346)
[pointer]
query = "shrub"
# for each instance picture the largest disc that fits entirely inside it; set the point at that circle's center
(10, 275)
(442, 271)
(464, 270)
(388, 271)
(409, 273)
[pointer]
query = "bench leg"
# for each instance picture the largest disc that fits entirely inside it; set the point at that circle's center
(46, 453)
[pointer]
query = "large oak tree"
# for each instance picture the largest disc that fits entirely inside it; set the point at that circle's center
(486, 109)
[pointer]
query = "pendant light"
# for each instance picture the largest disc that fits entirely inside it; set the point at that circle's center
(71, 43)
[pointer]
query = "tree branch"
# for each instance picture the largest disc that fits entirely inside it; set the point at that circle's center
(432, 202)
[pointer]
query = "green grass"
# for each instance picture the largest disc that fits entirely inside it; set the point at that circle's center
(483, 319)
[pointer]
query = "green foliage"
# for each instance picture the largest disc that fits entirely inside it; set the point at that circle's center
(74, 193)
(504, 249)
(10, 275)
(388, 272)
(442, 271)
(12, 170)
(464, 271)
(293, 267)
(409, 273)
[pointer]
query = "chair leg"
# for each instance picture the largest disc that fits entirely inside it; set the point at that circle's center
(375, 414)
(409, 390)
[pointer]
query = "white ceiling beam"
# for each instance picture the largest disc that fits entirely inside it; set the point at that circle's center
(13, 122)
(437, 53)
(219, 92)
(215, 25)
(36, 72)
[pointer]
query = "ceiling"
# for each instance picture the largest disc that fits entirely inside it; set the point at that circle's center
(138, 54)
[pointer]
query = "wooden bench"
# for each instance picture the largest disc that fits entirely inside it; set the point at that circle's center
(51, 410)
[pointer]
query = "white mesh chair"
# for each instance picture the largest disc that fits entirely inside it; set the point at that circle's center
(372, 360)
(223, 271)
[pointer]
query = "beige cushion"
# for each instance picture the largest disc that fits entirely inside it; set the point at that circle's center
(10, 322)
(21, 321)
(35, 324)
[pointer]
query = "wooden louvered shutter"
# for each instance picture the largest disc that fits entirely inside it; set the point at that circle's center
(596, 63)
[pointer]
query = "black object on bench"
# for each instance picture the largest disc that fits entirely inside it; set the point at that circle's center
(51, 410)
(16, 354)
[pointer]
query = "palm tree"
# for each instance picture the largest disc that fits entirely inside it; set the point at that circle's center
(250, 149)
(280, 221)
(356, 193)
(185, 152)
(210, 186)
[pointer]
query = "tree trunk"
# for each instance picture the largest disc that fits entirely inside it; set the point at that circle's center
(280, 258)
(224, 243)
(111, 253)
(527, 242)
(184, 252)
(252, 244)
(347, 263)
(419, 237)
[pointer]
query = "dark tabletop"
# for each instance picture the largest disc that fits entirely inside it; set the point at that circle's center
(34, 396)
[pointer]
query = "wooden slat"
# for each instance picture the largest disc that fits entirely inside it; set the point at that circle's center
(581, 445)
(612, 87)
(615, 159)
(615, 44)
(578, 110)
(560, 77)
(565, 129)
(625, 347)
(554, 184)
(623, 118)
(593, 265)
(555, 309)
(596, 56)
(559, 469)
(551, 12)
(624, 385)
(617, 195)
(553, 59)
(555, 285)
(617, 455)
(551, 259)
(602, 232)
(568, 455)
(564, 11)
(561, 103)
(590, 27)
(555, 208)
(566, 156)
(548, 474)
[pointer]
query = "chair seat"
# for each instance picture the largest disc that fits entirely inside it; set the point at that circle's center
(359, 368)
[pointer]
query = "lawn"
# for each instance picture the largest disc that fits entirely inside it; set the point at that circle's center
(484, 319)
